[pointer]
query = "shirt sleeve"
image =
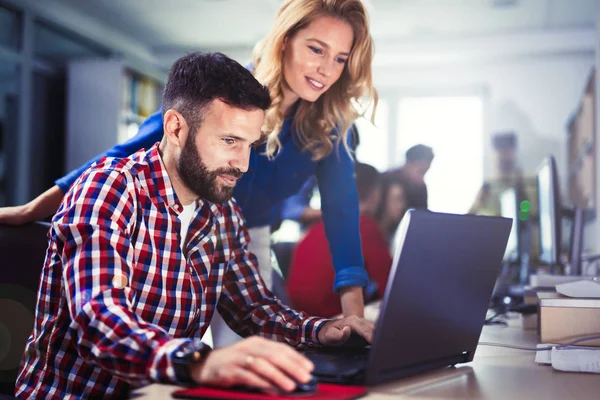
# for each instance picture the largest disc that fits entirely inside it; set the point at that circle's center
(294, 206)
(249, 308)
(150, 132)
(339, 205)
(91, 234)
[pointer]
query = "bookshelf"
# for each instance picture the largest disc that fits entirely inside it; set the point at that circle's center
(581, 152)
(141, 97)
(107, 100)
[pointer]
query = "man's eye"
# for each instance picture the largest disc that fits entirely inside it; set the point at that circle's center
(229, 140)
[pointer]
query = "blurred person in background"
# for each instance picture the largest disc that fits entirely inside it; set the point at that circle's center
(412, 175)
(508, 175)
(315, 61)
(311, 275)
(391, 208)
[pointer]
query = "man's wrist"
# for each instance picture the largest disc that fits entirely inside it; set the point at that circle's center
(186, 358)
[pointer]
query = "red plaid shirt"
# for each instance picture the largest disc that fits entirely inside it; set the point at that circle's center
(118, 296)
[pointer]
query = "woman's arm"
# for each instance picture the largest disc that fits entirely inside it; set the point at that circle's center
(339, 205)
(47, 203)
(41, 207)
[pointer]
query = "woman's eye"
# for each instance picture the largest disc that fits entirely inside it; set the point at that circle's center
(315, 50)
(341, 60)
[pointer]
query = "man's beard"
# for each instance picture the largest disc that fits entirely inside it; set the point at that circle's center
(199, 179)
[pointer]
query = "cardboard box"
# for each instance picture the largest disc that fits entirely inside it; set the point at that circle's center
(564, 319)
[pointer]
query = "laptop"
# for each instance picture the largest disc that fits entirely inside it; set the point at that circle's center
(435, 302)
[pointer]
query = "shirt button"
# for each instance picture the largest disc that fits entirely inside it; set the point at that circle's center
(119, 281)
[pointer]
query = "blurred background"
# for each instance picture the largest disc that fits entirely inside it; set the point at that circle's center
(78, 76)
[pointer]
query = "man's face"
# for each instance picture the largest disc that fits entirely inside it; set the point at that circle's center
(506, 160)
(417, 170)
(217, 155)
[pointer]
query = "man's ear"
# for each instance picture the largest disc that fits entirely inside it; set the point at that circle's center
(176, 128)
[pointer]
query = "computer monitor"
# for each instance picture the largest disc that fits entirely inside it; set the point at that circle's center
(575, 239)
(551, 212)
(509, 208)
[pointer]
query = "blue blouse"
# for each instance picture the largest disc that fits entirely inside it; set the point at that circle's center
(262, 190)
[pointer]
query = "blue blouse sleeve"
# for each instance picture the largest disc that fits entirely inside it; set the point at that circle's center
(294, 206)
(339, 205)
(150, 132)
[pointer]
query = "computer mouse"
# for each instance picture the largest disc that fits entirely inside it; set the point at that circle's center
(308, 388)
(357, 341)
(302, 389)
(580, 289)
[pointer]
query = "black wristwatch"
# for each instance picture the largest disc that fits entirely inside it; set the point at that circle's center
(185, 357)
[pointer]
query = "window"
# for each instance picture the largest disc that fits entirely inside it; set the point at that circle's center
(453, 127)
(374, 137)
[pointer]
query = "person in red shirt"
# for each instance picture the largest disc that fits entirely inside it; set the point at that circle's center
(311, 275)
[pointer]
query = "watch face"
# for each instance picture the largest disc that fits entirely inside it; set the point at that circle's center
(185, 357)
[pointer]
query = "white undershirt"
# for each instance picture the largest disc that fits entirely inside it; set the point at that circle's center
(185, 217)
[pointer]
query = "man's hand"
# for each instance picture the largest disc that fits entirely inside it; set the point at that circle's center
(337, 332)
(254, 362)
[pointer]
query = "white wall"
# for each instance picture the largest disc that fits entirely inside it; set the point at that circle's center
(533, 96)
(94, 101)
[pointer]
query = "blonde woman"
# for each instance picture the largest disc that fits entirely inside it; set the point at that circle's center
(315, 61)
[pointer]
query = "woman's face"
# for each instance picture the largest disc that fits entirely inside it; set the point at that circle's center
(315, 57)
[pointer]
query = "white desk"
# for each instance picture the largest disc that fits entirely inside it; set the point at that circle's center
(495, 373)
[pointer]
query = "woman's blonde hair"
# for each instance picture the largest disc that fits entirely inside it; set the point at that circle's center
(314, 122)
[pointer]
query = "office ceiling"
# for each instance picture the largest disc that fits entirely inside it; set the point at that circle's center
(172, 26)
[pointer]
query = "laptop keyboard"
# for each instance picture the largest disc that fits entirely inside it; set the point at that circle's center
(337, 363)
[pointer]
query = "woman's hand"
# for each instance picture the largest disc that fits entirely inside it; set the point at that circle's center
(337, 332)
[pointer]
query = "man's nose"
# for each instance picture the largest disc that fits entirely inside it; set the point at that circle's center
(241, 160)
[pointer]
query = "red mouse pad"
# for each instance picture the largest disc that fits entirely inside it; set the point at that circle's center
(324, 391)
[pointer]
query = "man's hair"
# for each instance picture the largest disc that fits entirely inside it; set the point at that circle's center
(367, 180)
(197, 79)
(419, 152)
(504, 140)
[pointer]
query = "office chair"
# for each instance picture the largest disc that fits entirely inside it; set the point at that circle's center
(22, 253)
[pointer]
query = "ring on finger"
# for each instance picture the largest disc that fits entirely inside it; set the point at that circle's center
(249, 360)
